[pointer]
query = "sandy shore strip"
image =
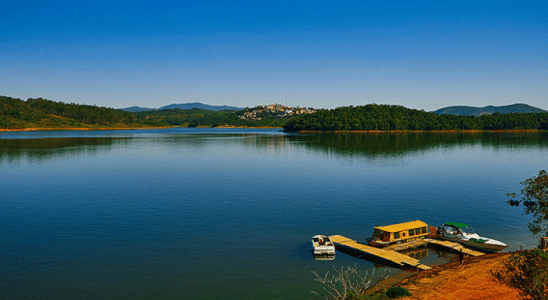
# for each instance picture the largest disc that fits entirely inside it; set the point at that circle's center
(82, 128)
(423, 131)
(128, 128)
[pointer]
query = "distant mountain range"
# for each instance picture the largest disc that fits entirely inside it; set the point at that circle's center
(136, 109)
(183, 106)
(478, 111)
(451, 110)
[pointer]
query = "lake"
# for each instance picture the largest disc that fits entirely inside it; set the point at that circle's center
(187, 213)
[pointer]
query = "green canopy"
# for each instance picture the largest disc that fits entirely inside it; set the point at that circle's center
(456, 225)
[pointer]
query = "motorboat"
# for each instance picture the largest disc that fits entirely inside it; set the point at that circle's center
(465, 235)
(322, 246)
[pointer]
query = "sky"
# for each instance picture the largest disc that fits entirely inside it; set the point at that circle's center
(323, 54)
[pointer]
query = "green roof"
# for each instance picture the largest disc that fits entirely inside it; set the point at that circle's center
(456, 225)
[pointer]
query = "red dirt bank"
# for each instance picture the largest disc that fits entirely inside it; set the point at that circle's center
(472, 280)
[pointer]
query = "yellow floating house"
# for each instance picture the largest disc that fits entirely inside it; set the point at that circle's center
(384, 236)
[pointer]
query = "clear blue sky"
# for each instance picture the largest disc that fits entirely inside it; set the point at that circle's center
(321, 54)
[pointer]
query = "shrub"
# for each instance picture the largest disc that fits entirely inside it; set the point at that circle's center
(397, 292)
(347, 283)
(526, 271)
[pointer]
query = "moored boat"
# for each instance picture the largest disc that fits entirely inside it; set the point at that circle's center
(463, 234)
(384, 236)
(322, 245)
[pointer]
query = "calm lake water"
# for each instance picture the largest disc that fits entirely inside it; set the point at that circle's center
(188, 213)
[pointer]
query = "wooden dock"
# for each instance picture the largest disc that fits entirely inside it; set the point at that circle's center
(388, 255)
(455, 246)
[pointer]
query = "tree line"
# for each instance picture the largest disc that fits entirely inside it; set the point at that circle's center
(200, 117)
(41, 113)
(393, 117)
(84, 113)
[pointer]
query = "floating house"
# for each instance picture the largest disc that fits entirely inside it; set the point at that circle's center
(384, 236)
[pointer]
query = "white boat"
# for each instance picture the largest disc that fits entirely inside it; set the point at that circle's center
(322, 245)
(464, 234)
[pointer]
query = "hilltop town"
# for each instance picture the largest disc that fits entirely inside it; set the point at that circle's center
(278, 110)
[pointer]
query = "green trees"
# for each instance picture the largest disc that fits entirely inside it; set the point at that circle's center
(534, 197)
(42, 113)
(393, 117)
(201, 117)
(528, 270)
(15, 113)
(83, 113)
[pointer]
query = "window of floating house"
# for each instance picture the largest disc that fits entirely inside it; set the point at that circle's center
(411, 232)
(375, 234)
(396, 235)
(424, 230)
(381, 235)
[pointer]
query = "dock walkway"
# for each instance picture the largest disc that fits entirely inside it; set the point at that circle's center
(455, 246)
(389, 255)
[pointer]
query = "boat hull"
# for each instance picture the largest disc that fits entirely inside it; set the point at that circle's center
(379, 244)
(324, 251)
(322, 246)
(484, 247)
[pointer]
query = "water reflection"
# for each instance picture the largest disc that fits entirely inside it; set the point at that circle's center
(345, 144)
(397, 144)
(417, 253)
(13, 150)
(323, 257)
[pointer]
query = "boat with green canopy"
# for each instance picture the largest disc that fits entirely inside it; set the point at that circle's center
(464, 234)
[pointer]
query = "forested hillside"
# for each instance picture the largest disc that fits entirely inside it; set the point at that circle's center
(40, 113)
(83, 113)
(200, 117)
(392, 117)
(191, 117)
(13, 110)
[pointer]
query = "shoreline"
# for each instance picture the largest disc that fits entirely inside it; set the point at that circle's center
(424, 131)
(471, 280)
(122, 128)
(241, 127)
(80, 128)
(520, 131)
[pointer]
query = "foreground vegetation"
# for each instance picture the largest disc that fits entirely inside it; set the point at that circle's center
(347, 283)
(527, 271)
(392, 117)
